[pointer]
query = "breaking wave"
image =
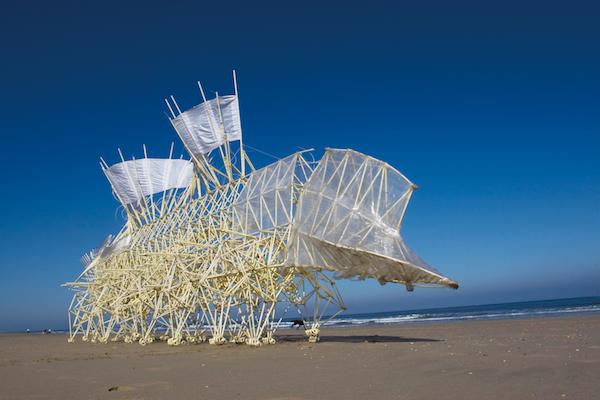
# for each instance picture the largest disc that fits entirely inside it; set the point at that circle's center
(483, 312)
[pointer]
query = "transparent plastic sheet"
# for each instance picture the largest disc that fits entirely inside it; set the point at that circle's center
(114, 245)
(203, 128)
(110, 245)
(134, 179)
(348, 220)
(267, 200)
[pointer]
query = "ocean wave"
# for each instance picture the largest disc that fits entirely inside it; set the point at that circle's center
(456, 316)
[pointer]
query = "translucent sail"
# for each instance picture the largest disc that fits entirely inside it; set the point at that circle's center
(348, 220)
(132, 180)
(204, 127)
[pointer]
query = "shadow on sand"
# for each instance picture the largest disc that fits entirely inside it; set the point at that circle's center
(357, 339)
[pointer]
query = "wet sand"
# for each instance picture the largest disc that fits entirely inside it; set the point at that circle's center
(540, 358)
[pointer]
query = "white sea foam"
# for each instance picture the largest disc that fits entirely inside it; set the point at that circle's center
(457, 316)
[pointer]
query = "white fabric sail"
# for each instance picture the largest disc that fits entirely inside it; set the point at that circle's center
(348, 220)
(204, 127)
(132, 180)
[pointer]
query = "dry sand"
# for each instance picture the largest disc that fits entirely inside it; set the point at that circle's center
(542, 358)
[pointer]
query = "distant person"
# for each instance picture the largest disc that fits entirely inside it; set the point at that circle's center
(28, 331)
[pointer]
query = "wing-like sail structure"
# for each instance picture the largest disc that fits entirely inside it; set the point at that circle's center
(348, 220)
(134, 179)
(204, 127)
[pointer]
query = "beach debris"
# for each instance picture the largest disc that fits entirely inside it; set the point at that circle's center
(113, 388)
(212, 247)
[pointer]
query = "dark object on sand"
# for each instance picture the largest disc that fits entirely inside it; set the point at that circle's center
(297, 322)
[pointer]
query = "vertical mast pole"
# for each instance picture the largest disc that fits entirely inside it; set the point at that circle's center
(146, 172)
(170, 109)
(144, 210)
(225, 139)
(237, 99)
(176, 105)
(162, 202)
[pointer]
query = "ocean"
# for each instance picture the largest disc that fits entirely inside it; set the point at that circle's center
(525, 309)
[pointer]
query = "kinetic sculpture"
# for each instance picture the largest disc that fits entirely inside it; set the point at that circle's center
(214, 248)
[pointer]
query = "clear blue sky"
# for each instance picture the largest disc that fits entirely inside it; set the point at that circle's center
(492, 109)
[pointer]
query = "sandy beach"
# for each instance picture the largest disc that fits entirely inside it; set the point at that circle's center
(540, 358)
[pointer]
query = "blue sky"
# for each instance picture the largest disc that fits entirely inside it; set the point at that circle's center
(491, 109)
